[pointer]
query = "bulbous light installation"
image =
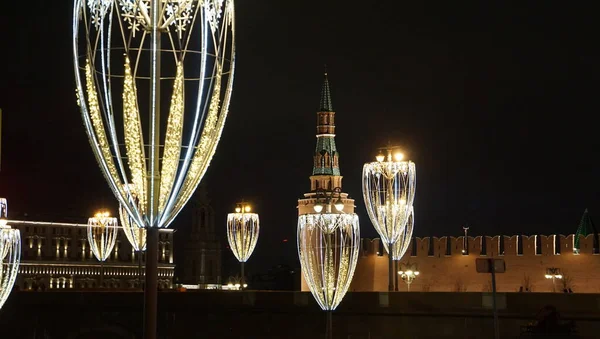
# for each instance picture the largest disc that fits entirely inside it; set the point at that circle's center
(328, 247)
(389, 190)
(10, 254)
(102, 233)
(164, 67)
(154, 80)
(242, 234)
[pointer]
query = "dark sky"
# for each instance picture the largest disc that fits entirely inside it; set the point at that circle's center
(496, 105)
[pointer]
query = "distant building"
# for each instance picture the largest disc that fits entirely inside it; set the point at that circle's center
(202, 263)
(58, 256)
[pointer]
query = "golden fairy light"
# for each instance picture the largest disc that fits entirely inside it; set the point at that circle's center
(242, 234)
(389, 189)
(102, 234)
(328, 247)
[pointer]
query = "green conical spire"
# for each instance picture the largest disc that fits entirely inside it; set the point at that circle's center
(325, 105)
(586, 227)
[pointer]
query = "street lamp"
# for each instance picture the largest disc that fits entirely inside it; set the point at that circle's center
(10, 253)
(328, 248)
(408, 272)
(389, 190)
(242, 234)
(154, 80)
(553, 273)
(135, 234)
(102, 233)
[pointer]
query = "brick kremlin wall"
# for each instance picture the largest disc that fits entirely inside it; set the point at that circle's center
(444, 267)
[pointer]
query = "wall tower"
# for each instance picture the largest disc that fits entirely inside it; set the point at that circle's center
(202, 264)
(326, 173)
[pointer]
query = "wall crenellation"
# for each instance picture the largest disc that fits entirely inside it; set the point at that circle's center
(521, 245)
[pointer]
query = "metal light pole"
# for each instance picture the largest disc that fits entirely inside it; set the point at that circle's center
(328, 247)
(242, 234)
(389, 189)
(10, 254)
(154, 80)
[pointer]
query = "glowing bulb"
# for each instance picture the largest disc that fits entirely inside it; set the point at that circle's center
(238, 209)
(558, 276)
(417, 273)
(380, 157)
(409, 272)
(548, 276)
(237, 285)
(318, 208)
(339, 205)
(247, 208)
(245, 285)
(400, 272)
(398, 156)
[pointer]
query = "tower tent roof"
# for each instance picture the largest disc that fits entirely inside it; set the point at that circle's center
(585, 228)
(325, 104)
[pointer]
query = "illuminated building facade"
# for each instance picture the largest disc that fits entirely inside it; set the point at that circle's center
(58, 256)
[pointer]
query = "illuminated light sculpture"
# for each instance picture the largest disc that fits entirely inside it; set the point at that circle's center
(389, 190)
(102, 233)
(135, 235)
(154, 80)
(10, 254)
(328, 248)
(242, 234)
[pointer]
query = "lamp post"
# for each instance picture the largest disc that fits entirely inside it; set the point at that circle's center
(242, 234)
(553, 273)
(465, 249)
(408, 273)
(328, 248)
(10, 254)
(135, 234)
(154, 79)
(389, 190)
(102, 233)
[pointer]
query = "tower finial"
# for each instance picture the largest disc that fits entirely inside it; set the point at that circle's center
(325, 105)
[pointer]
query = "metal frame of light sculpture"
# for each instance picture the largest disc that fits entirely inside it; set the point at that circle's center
(389, 190)
(129, 55)
(10, 254)
(328, 249)
(242, 234)
(102, 233)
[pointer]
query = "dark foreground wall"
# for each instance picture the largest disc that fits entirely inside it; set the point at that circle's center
(221, 314)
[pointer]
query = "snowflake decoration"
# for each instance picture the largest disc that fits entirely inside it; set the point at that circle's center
(136, 13)
(214, 11)
(98, 9)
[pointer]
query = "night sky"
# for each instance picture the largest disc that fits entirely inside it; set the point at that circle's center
(495, 105)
